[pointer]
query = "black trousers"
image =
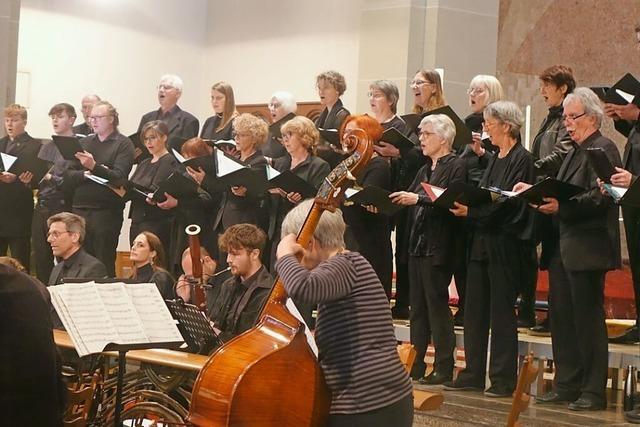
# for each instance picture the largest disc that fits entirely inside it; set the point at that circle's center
(402, 262)
(160, 227)
(398, 414)
(578, 330)
(631, 216)
(492, 286)
(430, 313)
(103, 230)
(20, 248)
(527, 288)
(41, 248)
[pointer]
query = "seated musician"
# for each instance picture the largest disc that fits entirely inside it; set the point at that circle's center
(369, 385)
(147, 255)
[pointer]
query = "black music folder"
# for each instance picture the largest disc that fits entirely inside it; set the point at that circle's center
(413, 121)
(624, 91)
(600, 163)
(290, 183)
(463, 134)
(625, 196)
(332, 136)
(68, 146)
(177, 185)
(207, 163)
(18, 165)
(601, 91)
(549, 187)
(374, 196)
(460, 192)
(394, 137)
(232, 172)
(137, 143)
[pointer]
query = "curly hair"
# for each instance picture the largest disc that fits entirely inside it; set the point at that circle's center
(242, 236)
(305, 129)
(335, 79)
(254, 126)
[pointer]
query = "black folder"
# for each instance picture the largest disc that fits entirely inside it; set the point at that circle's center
(35, 165)
(460, 192)
(625, 196)
(413, 121)
(601, 91)
(332, 136)
(292, 183)
(394, 137)
(628, 85)
(232, 172)
(375, 196)
(137, 143)
(178, 186)
(550, 187)
(207, 163)
(463, 134)
(600, 163)
(68, 146)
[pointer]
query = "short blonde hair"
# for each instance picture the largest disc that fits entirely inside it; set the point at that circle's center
(15, 110)
(305, 129)
(254, 126)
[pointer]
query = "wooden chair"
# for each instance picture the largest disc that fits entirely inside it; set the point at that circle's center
(79, 403)
(422, 400)
(522, 396)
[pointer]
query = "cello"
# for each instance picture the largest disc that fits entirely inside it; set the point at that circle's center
(269, 376)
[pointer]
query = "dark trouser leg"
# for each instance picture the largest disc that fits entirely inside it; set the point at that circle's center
(460, 273)
(631, 217)
(564, 343)
(587, 292)
(20, 248)
(419, 314)
(402, 264)
(436, 288)
(476, 324)
(527, 288)
(103, 230)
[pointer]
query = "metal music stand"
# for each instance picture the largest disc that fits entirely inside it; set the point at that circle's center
(194, 327)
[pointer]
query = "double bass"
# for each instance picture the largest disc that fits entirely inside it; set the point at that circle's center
(269, 376)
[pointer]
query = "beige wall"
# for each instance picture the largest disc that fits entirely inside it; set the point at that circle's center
(9, 17)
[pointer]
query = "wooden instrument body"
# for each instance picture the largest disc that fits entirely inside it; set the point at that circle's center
(253, 387)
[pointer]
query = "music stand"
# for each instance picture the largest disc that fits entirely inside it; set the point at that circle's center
(194, 327)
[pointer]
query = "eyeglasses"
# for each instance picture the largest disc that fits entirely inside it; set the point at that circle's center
(487, 124)
(275, 106)
(55, 234)
(287, 135)
(376, 95)
(425, 133)
(572, 118)
(475, 90)
(165, 87)
(96, 118)
(419, 83)
(240, 134)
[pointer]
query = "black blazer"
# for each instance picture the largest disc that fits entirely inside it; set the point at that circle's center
(182, 125)
(631, 156)
(33, 393)
(332, 119)
(16, 220)
(551, 144)
(588, 224)
(83, 266)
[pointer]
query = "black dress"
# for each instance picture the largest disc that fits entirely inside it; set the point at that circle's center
(211, 124)
(331, 120)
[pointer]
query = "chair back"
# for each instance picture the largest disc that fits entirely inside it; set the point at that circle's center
(522, 395)
(79, 403)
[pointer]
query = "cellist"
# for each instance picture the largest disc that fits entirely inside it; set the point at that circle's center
(354, 331)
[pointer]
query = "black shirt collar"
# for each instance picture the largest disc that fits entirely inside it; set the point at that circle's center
(251, 279)
(69, 262)
(145, 272)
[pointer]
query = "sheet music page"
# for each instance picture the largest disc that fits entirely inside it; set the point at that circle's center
(272, 172)
(7, 160)
(123, 313)
(70, 327)
(226, 165)
(178, 156)
(88, 314)
(157, 322)
(97, 179)
(350, 192)
(294, 310)
(626, 96)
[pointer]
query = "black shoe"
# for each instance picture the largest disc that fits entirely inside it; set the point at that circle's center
(497, 391)
(398, 312)
(435, 378)
(417, 371)
(557, 397)
(462, 386)
(629, 337)
(587, 404)
(526, 323)
(632, 417)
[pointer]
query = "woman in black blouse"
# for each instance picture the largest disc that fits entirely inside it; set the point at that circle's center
(220, 125)
(144, 214)
(331, 86)
(149, 265)
(434, 249)
(502, 230)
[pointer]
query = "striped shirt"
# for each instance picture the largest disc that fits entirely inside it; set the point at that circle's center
(354, 331)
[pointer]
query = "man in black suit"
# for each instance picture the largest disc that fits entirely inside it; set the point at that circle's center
(66, 234)
(15, 191)
(182, 125)
(88, 101)
(584, 246)
(31, 387)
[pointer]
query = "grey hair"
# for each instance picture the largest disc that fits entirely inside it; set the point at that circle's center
(173, 80)
(390, 91)
(74, 223)
(506, 112)
(287, 101)
(443, 126)
(330, 230)
(590, 102)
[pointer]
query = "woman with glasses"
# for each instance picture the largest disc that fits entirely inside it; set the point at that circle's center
(427, 91)
(144, 214)
(433, 250)
(502, 230)
(282, 108)
(220, 125)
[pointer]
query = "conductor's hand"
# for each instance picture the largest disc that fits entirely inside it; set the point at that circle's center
(459, 209)
(520, 187)
(197, 175)
(8, 177)
(170, 203)
(289, 246)
(550, 207)
(86, 160)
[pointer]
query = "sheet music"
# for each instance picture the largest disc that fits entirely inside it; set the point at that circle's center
(626, 96)
(7, 160)
(226, 165)
(158, 324)
(97, 179)
(95, 315)
(310, 340)
(349, 192)
(178, 156)
(272, 172)
(615, 191)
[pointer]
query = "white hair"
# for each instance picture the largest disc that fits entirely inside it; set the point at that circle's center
(442, 126)
(287, 101)
(330, 230)
(172, 80)
(506, 112)
(589, 101)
